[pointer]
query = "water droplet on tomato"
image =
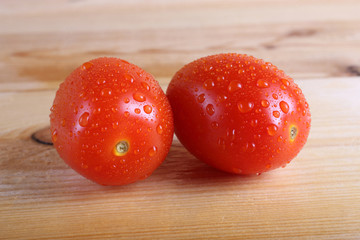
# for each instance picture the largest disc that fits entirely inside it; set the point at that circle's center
(115, 125)
(221, 143)
(139, 97)
(136, 151)
(257, 136)
(54, 136)
(221, 98)
(106, 92)
(140, 74)
(208, 84)
(253, 122)
(280, 138)
(159, 129)
(245, 107)
(272, 129)
(214, 125)
(84, 119)
(241, 71)
(201, 98)
(220, 78)
(97, 110)
(297, 91)
(234, 86)
(84, 166)
(231, 133)
(147, 109)
(180, 75)
(87, 66)
(126, 114)
(63, 122)
(265, 103)
(276, 114)
(145, 85)
(275, 96)
(129, 77)
(262, 83)
(137, 110)
(284, 107)
(285, 82)
(152, 151)
(100, 81)
(306, 105)
(210, 109)
(249, 147)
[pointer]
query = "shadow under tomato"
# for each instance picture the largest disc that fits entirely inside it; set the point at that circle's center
(183, 168)
(34, 172)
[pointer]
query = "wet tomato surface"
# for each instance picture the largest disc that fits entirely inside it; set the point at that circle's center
(111, 122)
(238, 113)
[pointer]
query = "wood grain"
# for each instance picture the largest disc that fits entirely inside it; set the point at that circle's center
(43, 42)
(317, 196)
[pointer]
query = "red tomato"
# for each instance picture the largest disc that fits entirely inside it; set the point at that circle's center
(238, 113)
(111, 122)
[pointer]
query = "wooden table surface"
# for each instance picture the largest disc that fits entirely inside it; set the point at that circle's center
(317, 196)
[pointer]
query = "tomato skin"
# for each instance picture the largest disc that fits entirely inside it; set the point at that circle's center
(104, 102)
(238, 113)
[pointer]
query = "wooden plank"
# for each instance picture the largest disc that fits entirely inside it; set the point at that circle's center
(317, 196)
(44, 42)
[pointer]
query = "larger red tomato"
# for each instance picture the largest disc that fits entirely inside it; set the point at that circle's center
(238, 113)
(111, 122)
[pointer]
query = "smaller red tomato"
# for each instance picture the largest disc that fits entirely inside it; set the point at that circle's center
(238, 113)
(111, 122)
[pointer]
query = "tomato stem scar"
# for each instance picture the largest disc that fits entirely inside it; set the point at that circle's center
(122, 147)
(293, 132)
